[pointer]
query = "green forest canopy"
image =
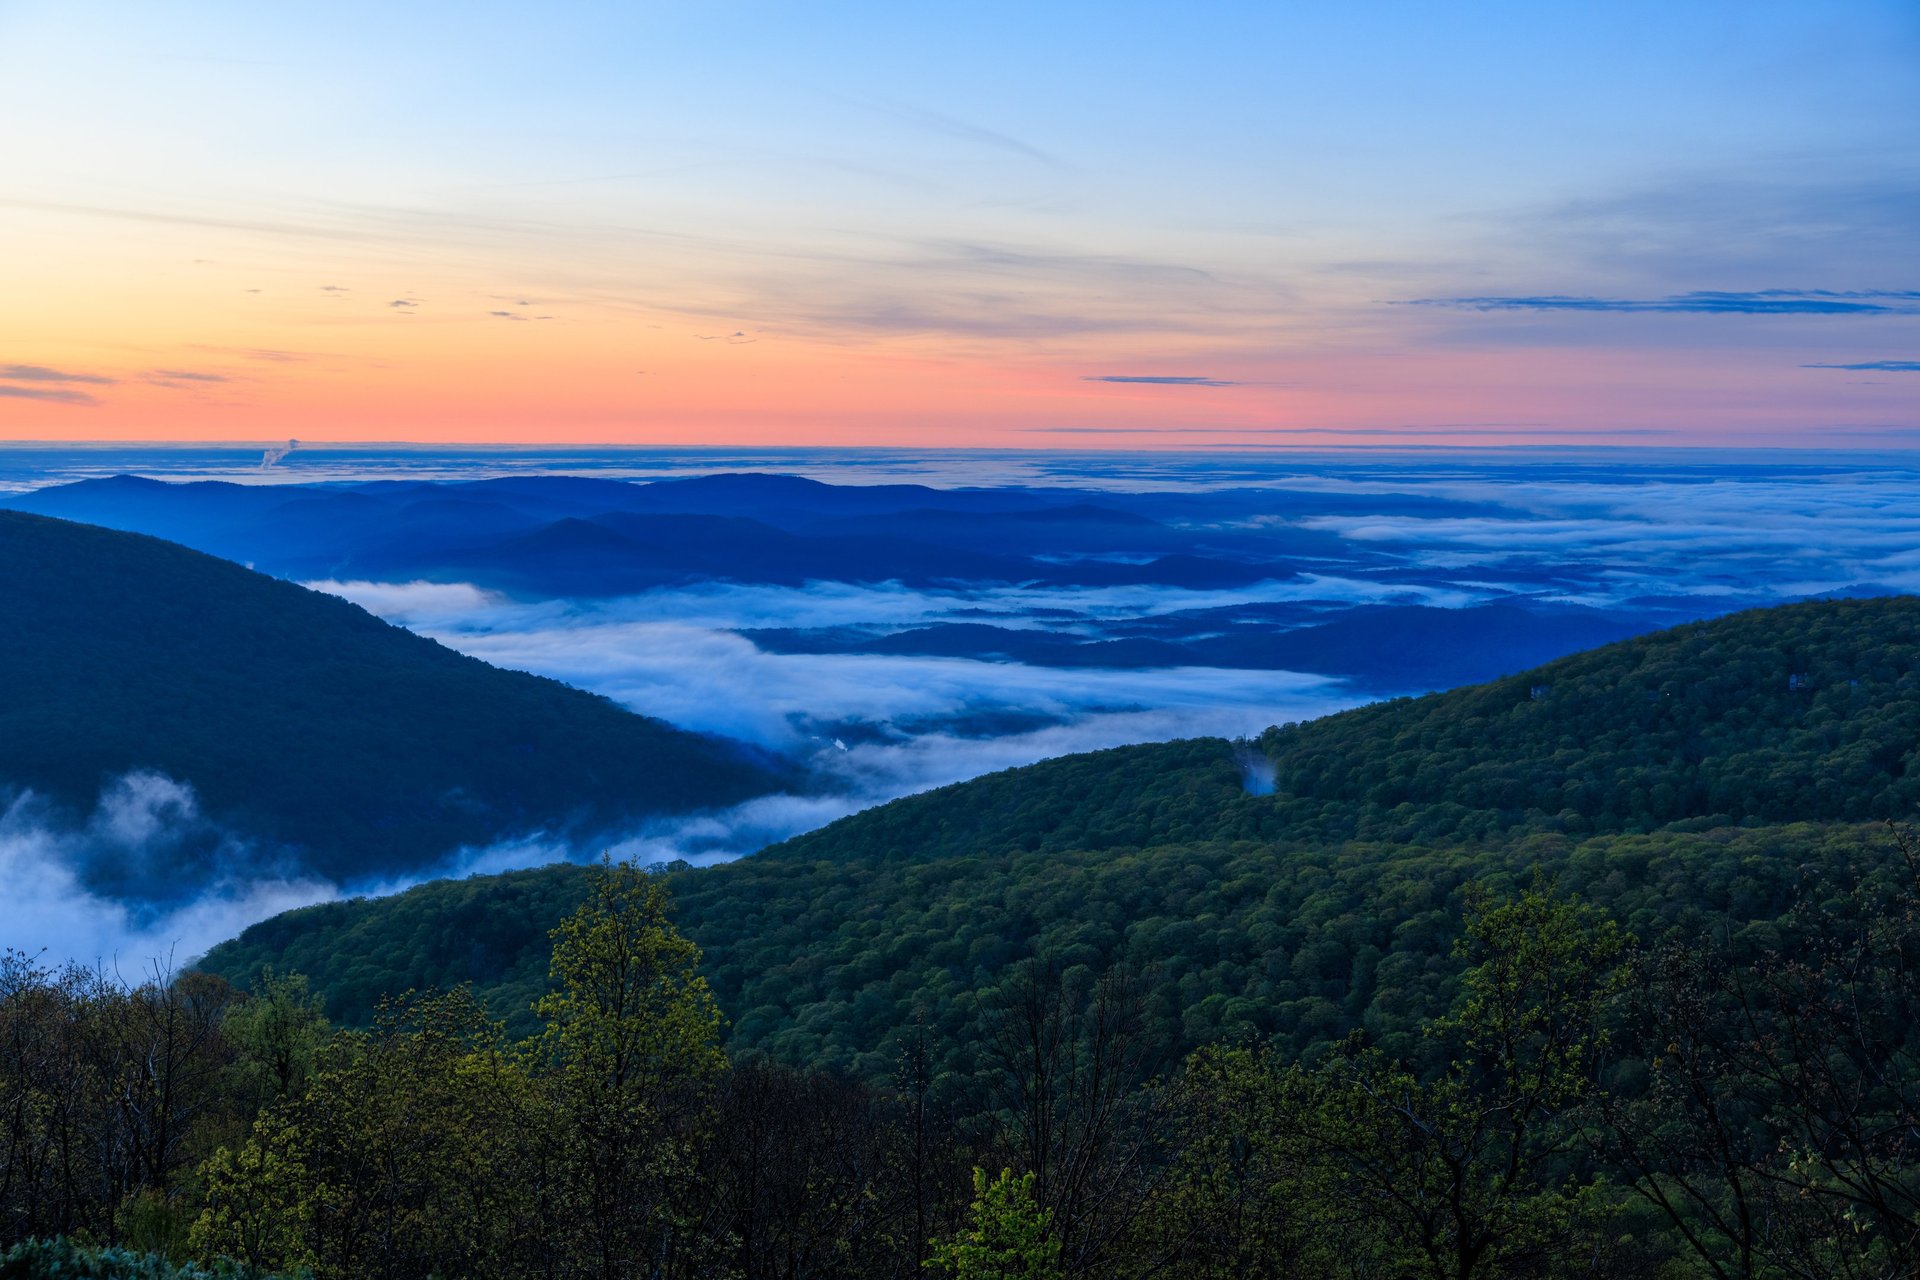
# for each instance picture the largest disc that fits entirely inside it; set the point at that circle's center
(1683, 781)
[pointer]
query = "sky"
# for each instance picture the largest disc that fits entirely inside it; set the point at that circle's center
(1216, 225)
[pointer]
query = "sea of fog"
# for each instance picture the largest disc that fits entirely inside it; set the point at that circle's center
(1605, 527)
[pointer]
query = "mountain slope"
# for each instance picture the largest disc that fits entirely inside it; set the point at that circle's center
(1800, 712)
(1674, 780)
(301, 721)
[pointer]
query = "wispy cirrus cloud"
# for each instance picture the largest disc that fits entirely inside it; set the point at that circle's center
(1761, 302)
(265, 354)
(47, 385)
(41, 373)
(982, 291)
(1160, 380)
(1817, 217)
(1453, 430)
(187, 375)
(183, 379)
(48, 395)
(966, 131)
(1873, 366)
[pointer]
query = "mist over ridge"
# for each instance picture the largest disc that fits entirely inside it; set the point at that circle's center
(906, 631)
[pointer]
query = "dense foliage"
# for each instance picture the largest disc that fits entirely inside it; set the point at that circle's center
(831, 963)
(62, 1258)
(1796, 713)
(1588, 1105)
(1293, 918)
(1204, 1033)
(301, 721)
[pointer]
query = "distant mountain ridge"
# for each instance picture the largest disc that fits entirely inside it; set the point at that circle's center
(336, 742)
(1347, 608)
(525, 534)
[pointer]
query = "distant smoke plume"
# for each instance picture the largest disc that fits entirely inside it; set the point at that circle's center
(273, 455)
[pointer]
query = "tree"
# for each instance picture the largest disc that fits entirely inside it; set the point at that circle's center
(277, 1032)
(1367, 1165)
(108, 1094)
(1008, 1236)
(631, 1047)
(1777, 1120)
(1238, 1201)
(1072, 1062)
(415, 1151)
(1472, 1173)
(810, 1175)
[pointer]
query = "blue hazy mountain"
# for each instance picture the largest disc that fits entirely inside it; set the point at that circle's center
(315, 736)
(579, 537)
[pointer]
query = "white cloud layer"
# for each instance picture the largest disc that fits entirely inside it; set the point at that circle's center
(661, 654)
(877, 727)
(47, 908)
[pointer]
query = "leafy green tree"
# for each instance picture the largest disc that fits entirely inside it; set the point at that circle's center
(1778, 1105)
(261, 1198)
(631, 1051)
(1472, 1173)
(415, 1151)
(278, 1033)
(1008, 1236)
(1237, 1202)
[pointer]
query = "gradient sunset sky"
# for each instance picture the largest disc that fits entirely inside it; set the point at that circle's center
(1027, 225)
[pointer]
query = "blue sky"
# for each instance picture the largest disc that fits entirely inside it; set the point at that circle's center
(951, 224)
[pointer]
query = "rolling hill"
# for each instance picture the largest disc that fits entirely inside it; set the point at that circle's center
(325, 739)
(1685, 780)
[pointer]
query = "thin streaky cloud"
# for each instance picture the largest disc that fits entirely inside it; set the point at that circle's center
(1763, 302)
(1873, 366)
(188, 375)
(40, 373)
(1161, 380)
(48, 395)
(266, 354)
(1455, 429)
(965, 131)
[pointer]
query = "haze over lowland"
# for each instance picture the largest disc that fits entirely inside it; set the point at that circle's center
(869, 633)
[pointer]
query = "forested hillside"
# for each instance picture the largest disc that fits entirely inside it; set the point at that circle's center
(832, 963)
(1291, 918)
(1797, 713)
(306, 726)
(1575, 1102)
(1207, 1033)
